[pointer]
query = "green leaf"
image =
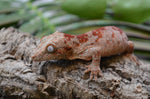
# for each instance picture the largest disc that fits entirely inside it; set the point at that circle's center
(85, 8)
(43, 33)
(65, 19)
(32, 26)
(88, 23)
(136, 11)
(8, 6)
(12, 18)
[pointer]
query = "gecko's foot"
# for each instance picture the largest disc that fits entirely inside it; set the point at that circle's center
(95, 72)
(133, 58)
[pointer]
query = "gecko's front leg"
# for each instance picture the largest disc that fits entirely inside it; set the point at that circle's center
(94, 67)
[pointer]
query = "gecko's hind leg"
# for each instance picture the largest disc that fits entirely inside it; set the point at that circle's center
(129, 53)
(133, 58)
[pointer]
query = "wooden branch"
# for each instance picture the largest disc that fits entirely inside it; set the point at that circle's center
(65, 79)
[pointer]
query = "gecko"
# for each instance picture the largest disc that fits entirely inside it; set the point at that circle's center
(92, 45)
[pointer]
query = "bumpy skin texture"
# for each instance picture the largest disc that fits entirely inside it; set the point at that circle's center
(93, 45)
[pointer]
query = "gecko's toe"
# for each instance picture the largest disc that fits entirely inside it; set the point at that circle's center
(94, 74)
(100, 74)
(133, 58)
(86, 71)
(91, 76)
(95, 78)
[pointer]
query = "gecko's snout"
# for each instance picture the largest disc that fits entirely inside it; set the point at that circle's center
(36, 57)
(33, 57)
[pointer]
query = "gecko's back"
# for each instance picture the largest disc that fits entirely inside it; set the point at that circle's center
(112, 40)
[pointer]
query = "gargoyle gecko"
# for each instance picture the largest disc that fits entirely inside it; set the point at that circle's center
(93, 45)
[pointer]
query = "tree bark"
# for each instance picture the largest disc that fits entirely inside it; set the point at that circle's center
(22, 78)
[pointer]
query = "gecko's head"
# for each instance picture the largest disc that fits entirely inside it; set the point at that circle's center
(51, 47)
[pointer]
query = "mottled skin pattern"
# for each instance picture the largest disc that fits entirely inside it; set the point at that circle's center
(93, 45)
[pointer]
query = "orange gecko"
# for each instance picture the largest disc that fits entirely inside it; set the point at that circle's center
(93, 45)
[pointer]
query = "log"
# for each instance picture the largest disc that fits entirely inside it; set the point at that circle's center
(22, 78)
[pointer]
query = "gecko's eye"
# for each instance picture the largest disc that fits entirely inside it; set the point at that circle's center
(50, 48)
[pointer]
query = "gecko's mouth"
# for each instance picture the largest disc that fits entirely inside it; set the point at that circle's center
(34, 58)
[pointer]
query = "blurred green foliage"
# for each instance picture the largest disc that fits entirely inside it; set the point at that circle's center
(85, 8)
(137, 11)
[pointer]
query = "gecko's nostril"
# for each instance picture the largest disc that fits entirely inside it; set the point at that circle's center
(33, 57)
